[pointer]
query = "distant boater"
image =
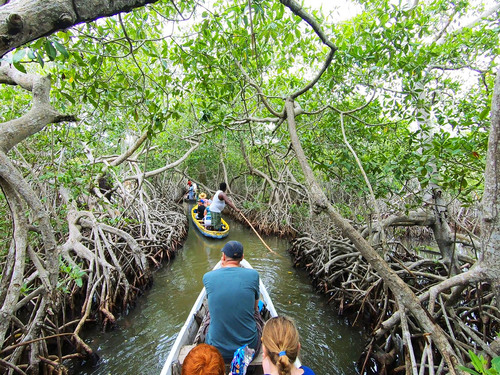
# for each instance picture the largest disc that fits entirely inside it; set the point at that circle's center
(219, 201)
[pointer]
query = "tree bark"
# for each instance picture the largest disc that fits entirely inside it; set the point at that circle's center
(23, 21)
(18, 250)
(41, 113)
(490, 234)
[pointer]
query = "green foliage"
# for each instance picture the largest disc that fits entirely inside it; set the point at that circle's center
(344, 209)
(415, 98)
(139, 72)
(75, 274)
(41, 50)
(255, 205)
(481, 365)
(388, 50)
(300, 212)
(25, 289)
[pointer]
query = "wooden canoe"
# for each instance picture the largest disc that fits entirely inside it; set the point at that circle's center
(185, 339)
(209, 233)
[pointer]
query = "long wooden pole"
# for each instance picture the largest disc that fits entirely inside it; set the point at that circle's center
(258, 235)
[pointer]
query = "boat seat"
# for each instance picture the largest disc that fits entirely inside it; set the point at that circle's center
(257, 360)
(184, 352)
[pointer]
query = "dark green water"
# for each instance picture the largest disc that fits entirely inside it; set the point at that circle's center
(143, 338)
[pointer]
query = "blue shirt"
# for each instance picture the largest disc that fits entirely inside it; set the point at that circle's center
(307, 370)
(231, 293)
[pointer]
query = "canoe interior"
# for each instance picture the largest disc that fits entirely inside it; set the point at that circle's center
(209, 233)
(185, 339)
(255, 367)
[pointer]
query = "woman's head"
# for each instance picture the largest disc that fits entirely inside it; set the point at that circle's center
(281, 340)
(203, 359)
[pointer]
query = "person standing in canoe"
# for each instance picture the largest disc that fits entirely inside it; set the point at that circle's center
(219, 201)
(191, 194)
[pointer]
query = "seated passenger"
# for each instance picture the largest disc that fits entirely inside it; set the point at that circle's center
(200, 210)
(280, 346)
(207, 221)
(203, 359)
(233, 296)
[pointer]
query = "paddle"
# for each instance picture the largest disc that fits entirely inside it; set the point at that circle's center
(260, 238)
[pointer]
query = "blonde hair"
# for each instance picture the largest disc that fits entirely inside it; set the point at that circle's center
(203, 359)
(281, 339)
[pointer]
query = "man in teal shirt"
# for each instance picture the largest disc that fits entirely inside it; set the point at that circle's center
(233, 297)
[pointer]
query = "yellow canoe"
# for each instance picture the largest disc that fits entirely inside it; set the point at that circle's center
(218, 234)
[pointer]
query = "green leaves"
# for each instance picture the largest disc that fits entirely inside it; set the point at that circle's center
(481, 365)
(49, 47)
(60, 48)
(74, 272)
(16, 60)
(19, 55)
(50, 50)
(178, 79)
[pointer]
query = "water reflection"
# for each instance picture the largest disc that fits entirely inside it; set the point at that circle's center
(143, 338)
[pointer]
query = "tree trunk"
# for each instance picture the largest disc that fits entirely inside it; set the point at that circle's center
(490, 231)
(25, 20)
(402, 291)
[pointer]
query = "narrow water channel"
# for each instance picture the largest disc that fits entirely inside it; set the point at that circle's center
(142, 340)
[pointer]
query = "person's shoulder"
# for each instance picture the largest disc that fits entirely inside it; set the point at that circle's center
(208, 274)
(212, 272)
(254, 271)
(211, 277)
(219, 271)
(251, 272)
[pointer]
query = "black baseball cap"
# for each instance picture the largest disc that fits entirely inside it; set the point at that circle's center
(233, 249)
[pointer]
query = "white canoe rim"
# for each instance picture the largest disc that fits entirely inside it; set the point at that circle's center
(190, 328)
(209, 233)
